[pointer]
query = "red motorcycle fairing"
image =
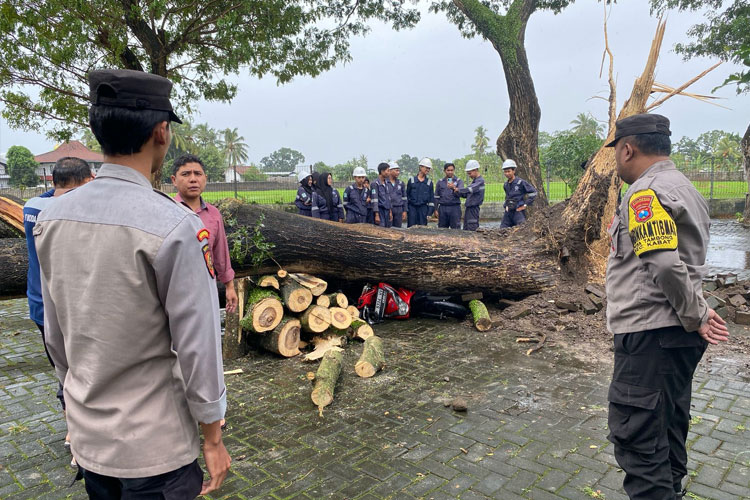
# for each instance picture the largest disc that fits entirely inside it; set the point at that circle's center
(384, 301)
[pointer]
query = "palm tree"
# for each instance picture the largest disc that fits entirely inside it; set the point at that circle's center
(183, 137)
(585, 124)
(728, 149)
(481, 141)
(235, 151)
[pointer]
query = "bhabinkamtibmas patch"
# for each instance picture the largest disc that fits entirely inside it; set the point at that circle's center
(650, 226)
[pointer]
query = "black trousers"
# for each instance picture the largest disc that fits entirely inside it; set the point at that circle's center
(398, 216)
(471, 218)
(180, 484)
(417, 215)
(449, 216)
(60, 395)
(649, 408)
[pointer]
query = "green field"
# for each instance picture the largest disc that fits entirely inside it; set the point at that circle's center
(494, 192)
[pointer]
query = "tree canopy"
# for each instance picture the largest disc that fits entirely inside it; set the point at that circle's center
(22, 167)
(282, 160)
(49, 46)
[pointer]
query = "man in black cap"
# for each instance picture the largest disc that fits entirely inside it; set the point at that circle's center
(655, 309)
(131, 309)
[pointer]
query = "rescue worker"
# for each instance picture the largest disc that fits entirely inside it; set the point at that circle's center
(326, 201)
(655, 309)
(131, 310)
(380, 196)
(518, 195)
(303, 201)
(370, 214)
(398, 195)
(474, 195)
(355, 198)
(420, 195)
(447, 202)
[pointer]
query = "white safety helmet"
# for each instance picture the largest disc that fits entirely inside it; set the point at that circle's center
(509, 164)
(471, 165)
(394, 165)
(425, 162)
(359, 172)
(302, 175)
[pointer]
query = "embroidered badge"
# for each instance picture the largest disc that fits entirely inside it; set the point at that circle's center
(203, 234)
(209, 260)
(649, 224)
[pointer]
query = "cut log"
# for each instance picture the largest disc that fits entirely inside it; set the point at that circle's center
(316, 319)
(263, 311)
(325, 379)
(296, 297)
(372, 359)
(268, 281)
(323, 300)
(14, 263)
(481, 316)
(284, 339)
(360, 330)
(338, 300)
(316, 285)
(281, 273)
(340, 318)
(11, 218)
(353, 311)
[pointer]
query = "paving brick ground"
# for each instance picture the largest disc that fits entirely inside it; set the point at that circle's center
(535, 428)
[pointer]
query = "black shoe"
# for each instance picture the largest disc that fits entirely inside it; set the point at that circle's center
(680, 494)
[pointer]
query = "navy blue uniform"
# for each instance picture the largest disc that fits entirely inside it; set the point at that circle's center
(320, 207)
(303, 202)
(421, 198)
(398, 201)
(474, 195)
(355, 202)
(515, 192)
(380, 199)
(448, 203)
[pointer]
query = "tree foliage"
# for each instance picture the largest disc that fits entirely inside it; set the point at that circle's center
(568, 153)
(235, 149)
(481, 141)
(22, 167)
(253, 173)
(282, 160)
(585, 124)
(49, 46)
(409, 165)
(344, 171)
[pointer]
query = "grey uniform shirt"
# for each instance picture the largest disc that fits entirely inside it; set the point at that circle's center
(132, 324)
(663, 218)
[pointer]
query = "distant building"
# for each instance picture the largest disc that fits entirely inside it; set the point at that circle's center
(229, 173)
(73, 148)
(4, 175)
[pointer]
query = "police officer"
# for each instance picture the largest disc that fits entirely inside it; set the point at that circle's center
(355, 198)
(518, 195)
(303, 201)
(380, 196)
(447, 202)
(655, 309)
(474, 195)
(420, 195)
(131, 308)
(398, 195)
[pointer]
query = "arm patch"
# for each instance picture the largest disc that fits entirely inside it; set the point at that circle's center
(650, 226)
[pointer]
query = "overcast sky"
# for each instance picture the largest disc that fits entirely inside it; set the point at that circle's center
(424, 91)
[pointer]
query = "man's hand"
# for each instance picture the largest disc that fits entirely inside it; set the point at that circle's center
(522, 207)
(377, 219)
(436, 214)
(715, 329)
(341, 220)
(390, 215)
(231, 296)
(216, 457)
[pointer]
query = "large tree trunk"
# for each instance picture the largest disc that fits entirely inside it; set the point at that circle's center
(14, 263)
(746, 155)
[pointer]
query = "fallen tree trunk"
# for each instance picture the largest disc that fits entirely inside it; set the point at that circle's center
(14, 263)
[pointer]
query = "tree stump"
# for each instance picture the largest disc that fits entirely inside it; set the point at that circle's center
(284, 339)
(296, 297)
(372, 359)
(263, 311)
(326, 378)
(316, 319)
(338, 300)
(340, 318)
(481, 316)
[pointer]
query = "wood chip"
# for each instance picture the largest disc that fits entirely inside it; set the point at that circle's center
(233, 372)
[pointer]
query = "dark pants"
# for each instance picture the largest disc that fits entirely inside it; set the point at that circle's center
(180, 484)
(305, 212)
(370, 219)
(513, 218)
(417, 215)
(353, 217)
(471, 218)
(60, 395)
(385, 217)
(649, 408)
(449, 216)
(398, 216)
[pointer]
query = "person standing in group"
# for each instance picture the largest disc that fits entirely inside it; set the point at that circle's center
(380, 196)
(355, 198)
(326, 201)
(131, 311)
(447, 201)
(370, 219)
(474, 194)
(655, 309)
(398, 194)
(303, 201)
(420, 195)
(518, 195)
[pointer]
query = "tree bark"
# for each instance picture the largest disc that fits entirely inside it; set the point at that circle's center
(372, 359)
(745, 144)
(326, 378)
(480, 315)
(14, 264)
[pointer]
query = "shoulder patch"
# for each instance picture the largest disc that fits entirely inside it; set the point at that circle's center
(650, 226)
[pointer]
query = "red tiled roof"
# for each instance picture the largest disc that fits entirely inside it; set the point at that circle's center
(241, 170)
(72, 148)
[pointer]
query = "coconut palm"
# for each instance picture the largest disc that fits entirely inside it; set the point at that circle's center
(235, 151)
(585, 124)
(183, 137)
(481, 141)
(728, 149)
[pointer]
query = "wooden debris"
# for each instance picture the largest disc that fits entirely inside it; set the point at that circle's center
(595, 290)
(372, 359)
(263, 311)
(268, 281)
(538, 346)
(353, 311)
(316, 319)
(481, 316)
(316, 285)
(325, 380)
(360, 330)
(468, 297)
(323, 345)
(296, 297)
(323, 300)
(338, 300)
(281, 273)
(234, 372)
(284, 339)
(340, 318)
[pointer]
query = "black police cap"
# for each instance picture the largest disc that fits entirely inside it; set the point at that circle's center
(125, 88)
(644, 123)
